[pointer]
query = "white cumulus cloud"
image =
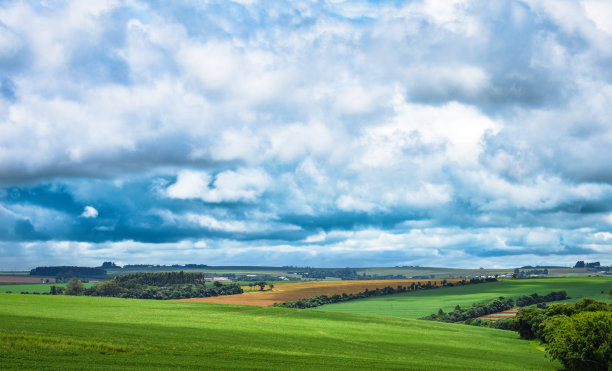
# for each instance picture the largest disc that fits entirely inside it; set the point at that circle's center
(240, 185)
(89, 212)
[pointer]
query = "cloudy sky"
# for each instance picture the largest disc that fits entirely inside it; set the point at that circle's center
(323, 133)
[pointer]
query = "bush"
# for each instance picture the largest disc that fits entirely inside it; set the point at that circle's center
(582, 341)
(74, 287)
(527, 322)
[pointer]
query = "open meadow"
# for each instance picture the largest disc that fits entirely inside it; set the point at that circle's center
(41, 288)
(421, 303)
(65, 332)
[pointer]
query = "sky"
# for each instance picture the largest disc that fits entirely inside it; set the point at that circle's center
(307, 133)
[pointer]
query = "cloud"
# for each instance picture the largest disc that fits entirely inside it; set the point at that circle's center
(240, 185)
(89, 212)
(322, 133)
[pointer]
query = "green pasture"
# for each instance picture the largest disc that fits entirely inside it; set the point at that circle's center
(66, 332)
(17, 288)
(437, 272)
(424, 302)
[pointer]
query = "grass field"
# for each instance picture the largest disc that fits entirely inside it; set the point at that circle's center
(422, 303)
(64, 332)
(16, 288)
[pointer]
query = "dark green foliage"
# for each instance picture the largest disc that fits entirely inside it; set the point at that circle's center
(67, 272)
(527, 322)
(582, 341)
(476, 310)
(578, 335)
(500, 324)
(531, 322)
(160, 279)
(525, 300)
(161, 286)
(56, 290)
(74, 287)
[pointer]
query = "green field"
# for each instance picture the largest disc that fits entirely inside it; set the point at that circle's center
(436, 272)
(16, 288)
(65, 332)
(422, 303)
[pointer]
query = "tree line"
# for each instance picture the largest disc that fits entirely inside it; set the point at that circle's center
(497, 305)
(67, 272)
(525, 300)
(159, 286)
(160, 279)
(319, 300)
(475, 310)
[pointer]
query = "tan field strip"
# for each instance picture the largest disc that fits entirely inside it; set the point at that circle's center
(510, 313)
(24, 279)
(300, 290)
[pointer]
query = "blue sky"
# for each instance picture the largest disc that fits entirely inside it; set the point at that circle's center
(324, 133)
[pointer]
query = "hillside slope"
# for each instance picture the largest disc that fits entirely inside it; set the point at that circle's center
(60, 332)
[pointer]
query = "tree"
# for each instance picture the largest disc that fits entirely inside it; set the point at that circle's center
(74, 287)
(582, 341)
(261, 285)
(527, 322)
(271, 286)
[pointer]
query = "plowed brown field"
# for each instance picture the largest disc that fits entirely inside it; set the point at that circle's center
(510, 313)
(24, 279)
(300, 290)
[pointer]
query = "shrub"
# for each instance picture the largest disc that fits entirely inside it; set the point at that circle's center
(582, 341)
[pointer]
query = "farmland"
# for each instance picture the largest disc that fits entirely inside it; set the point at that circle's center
(76, 332)
(103, 333)
(23, 279)
(422, 303)
(32, 287)
(299, 290)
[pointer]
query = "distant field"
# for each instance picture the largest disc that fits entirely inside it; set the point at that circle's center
(15, 273)
(432, 271)
(435, 272)
(209, 271)
(32, 287)
(24, 279)
(422, 303)
(299, 290)
(76, 333)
